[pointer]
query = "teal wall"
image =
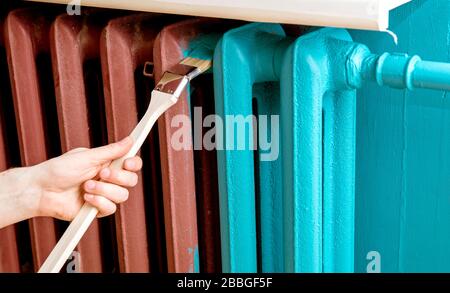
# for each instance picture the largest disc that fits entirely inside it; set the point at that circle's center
(403, 153)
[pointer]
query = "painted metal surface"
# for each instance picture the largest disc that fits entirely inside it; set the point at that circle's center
(398, 71)
(206, 183)
(189, 174)
(234, 78)
(403, 138)
(75, 45)
(126, 44)
(318, 74)
(27, 46)
(9, 257)
(326, 111)
(317, 114)
(180, 212)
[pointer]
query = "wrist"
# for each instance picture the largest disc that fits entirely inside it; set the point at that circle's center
(20, 185)
(31, 191)
(38, 194)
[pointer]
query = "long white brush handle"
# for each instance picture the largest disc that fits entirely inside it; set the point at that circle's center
(159, 103)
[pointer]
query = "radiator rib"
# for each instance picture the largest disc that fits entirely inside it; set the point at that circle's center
(26, 34)
(235, 73)
(9, 255)
(180, 191)
(318, 127)
(177, 168)
(74, 42)
(127, 43)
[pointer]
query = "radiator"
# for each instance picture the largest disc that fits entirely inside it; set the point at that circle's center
(78, 82)
(297, 213)
(83, 81)
(305, 198)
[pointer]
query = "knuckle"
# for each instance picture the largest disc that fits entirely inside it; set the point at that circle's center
(114, 147)
(101, 188)
(115, 175)
(77, 150)
(120, 176)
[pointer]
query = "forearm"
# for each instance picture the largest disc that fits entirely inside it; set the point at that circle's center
(19, 196)
(55, 188)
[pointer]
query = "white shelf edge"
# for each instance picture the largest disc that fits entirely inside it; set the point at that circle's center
(356, 14)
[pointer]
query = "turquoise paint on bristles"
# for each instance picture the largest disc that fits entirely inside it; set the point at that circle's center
(201, 51)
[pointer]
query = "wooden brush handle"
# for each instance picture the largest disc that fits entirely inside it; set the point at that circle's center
(159, 103)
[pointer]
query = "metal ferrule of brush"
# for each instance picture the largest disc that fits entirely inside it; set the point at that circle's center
(174, 83)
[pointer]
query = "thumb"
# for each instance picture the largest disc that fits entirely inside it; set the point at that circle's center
(110, 152)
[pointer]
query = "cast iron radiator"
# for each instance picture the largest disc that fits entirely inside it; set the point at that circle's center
(78, 81)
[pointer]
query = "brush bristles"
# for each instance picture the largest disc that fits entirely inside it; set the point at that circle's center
(202, 65)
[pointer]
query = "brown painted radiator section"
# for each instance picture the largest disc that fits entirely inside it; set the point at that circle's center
(177, 166)
(77, 81)
(27, 46)
(127, 43)
(75, 46)
(9, 255)
(179, 188)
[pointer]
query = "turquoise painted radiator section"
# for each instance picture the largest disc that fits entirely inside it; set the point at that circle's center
(297, 212)
(315, 168)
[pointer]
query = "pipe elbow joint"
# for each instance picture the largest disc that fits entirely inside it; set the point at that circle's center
(395, 70)
(358, 65)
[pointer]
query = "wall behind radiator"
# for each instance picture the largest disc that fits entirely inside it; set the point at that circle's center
(403, 153)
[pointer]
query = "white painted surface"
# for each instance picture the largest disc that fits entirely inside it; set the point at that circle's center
(357, 14)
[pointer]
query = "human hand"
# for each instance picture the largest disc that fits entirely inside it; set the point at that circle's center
(65, 182)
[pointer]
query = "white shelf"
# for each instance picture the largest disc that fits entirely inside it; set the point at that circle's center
(358, 14)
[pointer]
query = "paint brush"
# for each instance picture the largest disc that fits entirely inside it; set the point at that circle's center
(165, 95)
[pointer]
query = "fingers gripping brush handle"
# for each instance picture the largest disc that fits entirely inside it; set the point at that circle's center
(163, 97)
(159, 104)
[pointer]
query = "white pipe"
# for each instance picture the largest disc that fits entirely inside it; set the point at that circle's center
(357, 14)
